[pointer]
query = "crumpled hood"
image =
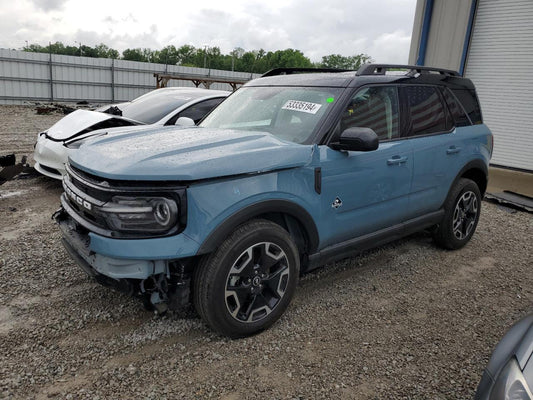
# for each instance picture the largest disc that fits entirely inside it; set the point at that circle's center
(187, 154)
(83, 120)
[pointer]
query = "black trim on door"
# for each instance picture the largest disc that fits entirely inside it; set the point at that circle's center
(353, 246)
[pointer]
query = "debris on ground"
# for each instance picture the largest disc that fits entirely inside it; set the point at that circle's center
(10, 169)
(44, 109)
(512, 199)
(6, 161)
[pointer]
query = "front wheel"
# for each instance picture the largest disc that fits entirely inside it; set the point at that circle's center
(247, 283)
(461, 215)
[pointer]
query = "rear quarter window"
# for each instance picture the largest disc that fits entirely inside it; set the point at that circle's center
(470, 103)
(459, 116)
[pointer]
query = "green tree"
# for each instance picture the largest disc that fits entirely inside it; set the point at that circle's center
(255, 61)
(186, 55)
(342, 62)
(288, 58)
(103, 51)
(167, 55)
(133, 55)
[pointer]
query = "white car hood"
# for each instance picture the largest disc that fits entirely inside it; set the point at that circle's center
(82, 120)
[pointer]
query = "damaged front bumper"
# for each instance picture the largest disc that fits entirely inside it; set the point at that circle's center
(161, 283)
(115, 268)
(50, 157)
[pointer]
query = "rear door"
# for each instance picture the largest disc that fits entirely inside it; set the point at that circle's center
(363, 192)
(437, 147)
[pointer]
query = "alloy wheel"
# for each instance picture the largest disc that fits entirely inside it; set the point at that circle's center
(256, 282)
(465, 215)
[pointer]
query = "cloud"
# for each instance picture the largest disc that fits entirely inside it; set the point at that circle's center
(380, 29)
(119, 42)
(391, 48)
(376, 28)
(129, 18)
(49, 5)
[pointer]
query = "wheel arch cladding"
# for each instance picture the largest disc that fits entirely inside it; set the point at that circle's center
(475, 170)
(478, 176)
(292, 217)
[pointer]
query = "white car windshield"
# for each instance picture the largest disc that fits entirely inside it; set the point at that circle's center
(290, 113)
(154, 105)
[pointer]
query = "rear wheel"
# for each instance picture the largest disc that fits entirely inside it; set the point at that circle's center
(461, 215)
(247, 283)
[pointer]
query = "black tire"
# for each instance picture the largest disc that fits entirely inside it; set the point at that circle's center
(461, 215)
(257, 265)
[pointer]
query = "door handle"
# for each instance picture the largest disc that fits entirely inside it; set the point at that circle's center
(396, 160)
(453, 150)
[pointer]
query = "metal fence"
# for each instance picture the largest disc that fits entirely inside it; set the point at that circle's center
(39, 77)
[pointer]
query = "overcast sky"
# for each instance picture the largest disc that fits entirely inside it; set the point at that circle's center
(380, 28)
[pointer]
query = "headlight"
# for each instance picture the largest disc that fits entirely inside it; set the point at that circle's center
(140, 214)
(511, 384)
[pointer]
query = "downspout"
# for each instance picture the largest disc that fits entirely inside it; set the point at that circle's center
(468, 36)
(428, 11)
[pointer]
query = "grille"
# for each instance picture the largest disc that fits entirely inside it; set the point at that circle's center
(83, 199)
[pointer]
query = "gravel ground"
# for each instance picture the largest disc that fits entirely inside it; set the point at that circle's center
(405, 321)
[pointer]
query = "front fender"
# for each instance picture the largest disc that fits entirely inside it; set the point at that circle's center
(216, 208)
(217, 236)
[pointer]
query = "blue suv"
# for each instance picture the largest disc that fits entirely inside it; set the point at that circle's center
(290, 172)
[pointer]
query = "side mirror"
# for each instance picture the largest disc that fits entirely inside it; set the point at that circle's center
(357, 139)
(185, 121)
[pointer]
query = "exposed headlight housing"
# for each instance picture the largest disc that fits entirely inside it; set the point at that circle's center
(141, 214)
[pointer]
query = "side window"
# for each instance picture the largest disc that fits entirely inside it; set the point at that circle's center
(197, 111)
(455, 108)
(427, 111)
(469, 101)
(374, 107)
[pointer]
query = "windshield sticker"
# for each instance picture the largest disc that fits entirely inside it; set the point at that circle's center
(303, 106)
(330, 99)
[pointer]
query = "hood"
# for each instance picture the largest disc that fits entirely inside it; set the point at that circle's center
(82, 121)
(187, 154)
(98, 133)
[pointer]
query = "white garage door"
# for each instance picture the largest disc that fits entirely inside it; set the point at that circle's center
(500, 63)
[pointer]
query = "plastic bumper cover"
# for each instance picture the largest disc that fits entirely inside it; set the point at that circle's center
(77, 245)
(50, 157)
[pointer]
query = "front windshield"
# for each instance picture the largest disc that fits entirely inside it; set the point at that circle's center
(152, 106)
(290, 113)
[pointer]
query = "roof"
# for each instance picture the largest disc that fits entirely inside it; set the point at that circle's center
(366, 74)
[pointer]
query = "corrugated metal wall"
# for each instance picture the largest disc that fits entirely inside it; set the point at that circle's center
(499, 62)
(449, 22)
(28, 76)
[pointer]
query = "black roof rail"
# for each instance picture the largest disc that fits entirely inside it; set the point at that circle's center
(381, 69)
(290, 71)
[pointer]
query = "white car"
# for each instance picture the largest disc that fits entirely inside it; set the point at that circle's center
(156, 108)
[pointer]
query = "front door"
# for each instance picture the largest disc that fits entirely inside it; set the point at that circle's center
(363, 192)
